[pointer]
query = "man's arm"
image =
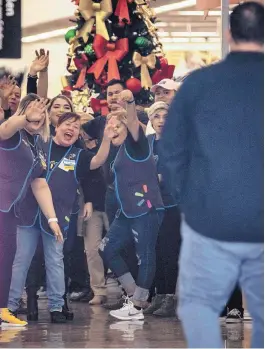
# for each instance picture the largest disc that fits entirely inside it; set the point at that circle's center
(174, 144)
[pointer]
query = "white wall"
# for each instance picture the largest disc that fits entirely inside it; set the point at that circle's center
(58, 49)
(35, 12)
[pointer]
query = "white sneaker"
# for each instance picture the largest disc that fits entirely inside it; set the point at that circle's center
(127, 312)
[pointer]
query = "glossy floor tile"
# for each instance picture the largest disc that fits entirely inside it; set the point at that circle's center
(93, 328)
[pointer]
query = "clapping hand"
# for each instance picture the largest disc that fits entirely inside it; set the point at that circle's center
(36, 109)
(40, 63)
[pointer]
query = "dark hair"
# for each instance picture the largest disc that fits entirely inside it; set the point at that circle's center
(247, 23)
(68, 116)
(62, 97)
(115, 82)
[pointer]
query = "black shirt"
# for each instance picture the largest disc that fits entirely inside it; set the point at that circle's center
(83, 165)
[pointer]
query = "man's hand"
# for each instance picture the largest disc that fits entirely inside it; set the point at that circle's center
(36, 109)
(7, 85)
(40, 63)
(88, 210)
(56, 231)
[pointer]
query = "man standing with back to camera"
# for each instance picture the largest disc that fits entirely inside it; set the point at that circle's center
(212, 150)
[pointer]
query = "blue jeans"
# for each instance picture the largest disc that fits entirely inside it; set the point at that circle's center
(143, 232)
(27, 241)
(209, 271)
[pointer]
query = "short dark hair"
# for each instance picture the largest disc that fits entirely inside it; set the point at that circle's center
(68, 116)
(247, 23)
(115, 82)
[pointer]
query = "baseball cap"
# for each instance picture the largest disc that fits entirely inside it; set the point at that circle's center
(167, 84)
(156, 106)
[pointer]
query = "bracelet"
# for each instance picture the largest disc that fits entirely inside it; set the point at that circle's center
(50, 220)
(131, 102)
(32, 76)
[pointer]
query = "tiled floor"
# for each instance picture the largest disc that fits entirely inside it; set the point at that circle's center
(93, 328)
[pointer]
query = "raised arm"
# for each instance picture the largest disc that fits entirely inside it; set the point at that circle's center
(126, 100)
(35, 112)
(39, 65)
(100, 158)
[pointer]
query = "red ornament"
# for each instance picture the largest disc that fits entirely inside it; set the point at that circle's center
(165, 72)
(134, 85)
(99, 105)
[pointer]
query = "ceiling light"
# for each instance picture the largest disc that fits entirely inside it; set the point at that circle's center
(199, 13)
(195, 34)
(176, 6)
(161, 24)
(46, 35)
(161, 34)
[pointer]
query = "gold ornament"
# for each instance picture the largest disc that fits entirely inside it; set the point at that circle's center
(81, 100)
(97, 13)
(72, 67)
(144, 63)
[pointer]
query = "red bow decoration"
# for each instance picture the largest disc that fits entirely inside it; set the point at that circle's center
(122, 11)
(99, 105)
(108, 52)
(165, 72)
(81, 64)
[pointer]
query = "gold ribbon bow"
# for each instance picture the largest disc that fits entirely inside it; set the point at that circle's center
(96, 12)
(144, 63)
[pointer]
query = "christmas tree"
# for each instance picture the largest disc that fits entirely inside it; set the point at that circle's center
(115, 39)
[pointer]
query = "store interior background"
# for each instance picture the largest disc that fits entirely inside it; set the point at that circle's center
(189, 39)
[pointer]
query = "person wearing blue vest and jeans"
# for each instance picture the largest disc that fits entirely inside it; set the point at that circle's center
(141, 208)
(168, 243)
(22, 167)
(66, 165)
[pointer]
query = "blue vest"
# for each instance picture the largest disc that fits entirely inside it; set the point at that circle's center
(168, 199)
(136, 184)
(18, 168)
(63, 185)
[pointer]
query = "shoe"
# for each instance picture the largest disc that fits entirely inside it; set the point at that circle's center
(69, 315)
(97, 300)
(87, 298)
(58, 317)
(234, 316)
(32, 304)
(77, 296)
(114, 305)
(247, 316)
(168, 307)
(22, 310)
(9, 319)
(127, 312)
(156, 303)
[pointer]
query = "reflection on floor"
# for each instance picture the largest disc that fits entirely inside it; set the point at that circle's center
(94, 328)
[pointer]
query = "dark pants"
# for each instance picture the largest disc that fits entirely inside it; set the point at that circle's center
(36, 274)
(128, 254)
(167, 252)
(235, 302)
(142, 231)
(8, 228)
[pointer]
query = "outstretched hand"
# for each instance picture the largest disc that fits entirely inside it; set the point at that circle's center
(7, 85)
(36, 109)
(40, 63)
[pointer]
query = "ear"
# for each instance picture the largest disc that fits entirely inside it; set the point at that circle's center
(228, 37)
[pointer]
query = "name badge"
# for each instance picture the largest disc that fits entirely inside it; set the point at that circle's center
(67, 165)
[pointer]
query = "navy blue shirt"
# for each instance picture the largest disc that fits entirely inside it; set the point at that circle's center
(212, 148)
